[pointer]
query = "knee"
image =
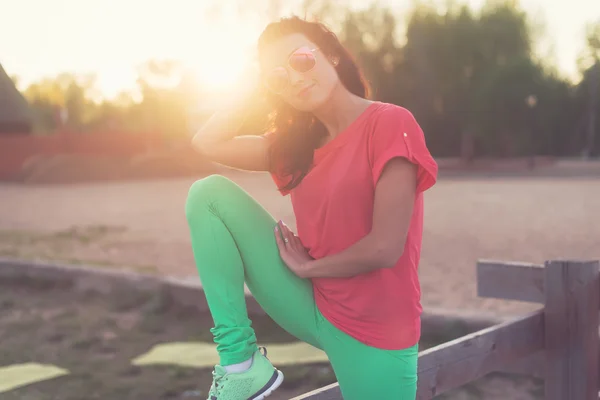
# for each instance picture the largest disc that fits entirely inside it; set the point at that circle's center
(203, 192)
(210, 185)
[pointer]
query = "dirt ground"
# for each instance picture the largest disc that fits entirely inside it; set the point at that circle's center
(141, 225)
(96, 338)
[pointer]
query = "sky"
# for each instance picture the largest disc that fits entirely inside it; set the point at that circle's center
(111, 38)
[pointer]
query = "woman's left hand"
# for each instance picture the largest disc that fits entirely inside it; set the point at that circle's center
(292, 251)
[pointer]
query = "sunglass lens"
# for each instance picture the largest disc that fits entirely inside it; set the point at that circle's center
(277, 79)
(302, 61)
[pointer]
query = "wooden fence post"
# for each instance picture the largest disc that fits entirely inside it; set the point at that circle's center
(572, 293)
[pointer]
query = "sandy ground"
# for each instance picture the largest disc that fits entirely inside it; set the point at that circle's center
(142, 225)
(95, 341)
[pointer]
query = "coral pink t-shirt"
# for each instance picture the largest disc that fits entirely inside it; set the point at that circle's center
(334, 209)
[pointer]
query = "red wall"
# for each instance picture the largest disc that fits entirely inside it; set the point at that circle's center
(16, 149)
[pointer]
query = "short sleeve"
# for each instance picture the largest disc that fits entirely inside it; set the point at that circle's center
(275, 172)
(396, 133)
(281, 182)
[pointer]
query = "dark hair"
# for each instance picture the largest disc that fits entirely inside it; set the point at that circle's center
(297, 134)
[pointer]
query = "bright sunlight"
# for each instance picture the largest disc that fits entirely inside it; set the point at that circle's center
(220, 66)
(221, 59)
(216, 40)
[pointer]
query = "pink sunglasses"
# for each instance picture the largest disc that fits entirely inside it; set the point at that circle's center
(302, 60)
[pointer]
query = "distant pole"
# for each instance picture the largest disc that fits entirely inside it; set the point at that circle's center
(591, 132)
(531, 102)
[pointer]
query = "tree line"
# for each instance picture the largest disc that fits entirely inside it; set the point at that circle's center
(472, 79)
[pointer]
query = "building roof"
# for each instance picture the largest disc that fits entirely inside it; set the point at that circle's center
(15, 114)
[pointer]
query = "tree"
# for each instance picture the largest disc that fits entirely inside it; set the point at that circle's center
(591, 53)
(371, 36)
(592, 81)
(66, 93)
(504, 108)
(469, 77)
(448, 55)
(166, 92)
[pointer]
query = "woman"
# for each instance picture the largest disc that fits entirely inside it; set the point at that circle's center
(356, 170)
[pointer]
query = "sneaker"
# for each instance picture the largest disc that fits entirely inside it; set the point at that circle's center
(256, 383)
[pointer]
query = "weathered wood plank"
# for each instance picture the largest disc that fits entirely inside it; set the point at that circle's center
(571, 327)
(533, 365)
(329, 392)
(466, 359)
(510, 281)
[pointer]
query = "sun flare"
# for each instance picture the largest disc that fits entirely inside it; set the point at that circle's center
(221, 65)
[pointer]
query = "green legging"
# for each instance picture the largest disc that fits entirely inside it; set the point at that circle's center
(233, 242)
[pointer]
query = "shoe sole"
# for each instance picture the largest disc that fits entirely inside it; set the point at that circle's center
(270, 387)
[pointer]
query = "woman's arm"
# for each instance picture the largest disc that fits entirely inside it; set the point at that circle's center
(219, 139)
(382, 247)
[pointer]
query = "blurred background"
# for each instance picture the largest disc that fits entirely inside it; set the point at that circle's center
(485, 79)
(98, 100)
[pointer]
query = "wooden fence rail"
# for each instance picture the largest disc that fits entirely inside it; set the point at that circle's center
(559, 342)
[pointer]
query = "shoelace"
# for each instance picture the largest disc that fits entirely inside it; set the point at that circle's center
(264, 351)
(218, 381)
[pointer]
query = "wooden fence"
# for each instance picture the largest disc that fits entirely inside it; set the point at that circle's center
(559, 342)
(16, 149)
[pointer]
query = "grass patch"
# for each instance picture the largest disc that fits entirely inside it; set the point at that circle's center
(59, 246)
(81, 234)
(26, 255)
(89, 233)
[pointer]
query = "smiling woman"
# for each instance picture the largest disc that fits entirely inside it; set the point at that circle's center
(347, 281)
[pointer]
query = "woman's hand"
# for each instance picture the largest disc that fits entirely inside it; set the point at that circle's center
(291, 250)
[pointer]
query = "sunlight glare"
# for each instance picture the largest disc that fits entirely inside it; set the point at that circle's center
(221, 64)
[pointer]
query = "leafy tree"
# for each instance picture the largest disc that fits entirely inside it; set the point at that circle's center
(469, 77)
(65, 92)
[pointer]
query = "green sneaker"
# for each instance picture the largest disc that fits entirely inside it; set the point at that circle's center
(254, 384)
